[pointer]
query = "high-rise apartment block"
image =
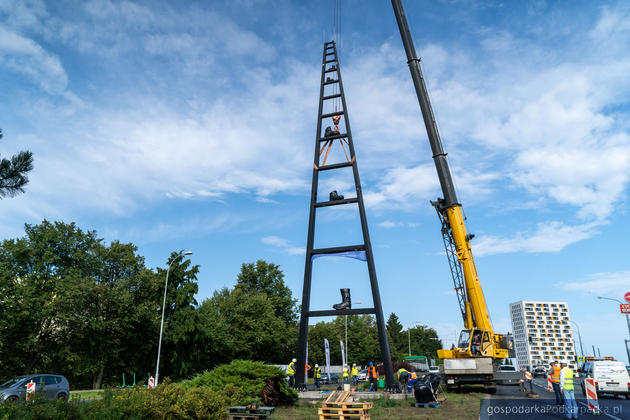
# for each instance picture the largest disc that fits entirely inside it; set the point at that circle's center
(542, 333)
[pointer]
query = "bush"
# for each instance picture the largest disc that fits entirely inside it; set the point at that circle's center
(258, 381)
(170, 401)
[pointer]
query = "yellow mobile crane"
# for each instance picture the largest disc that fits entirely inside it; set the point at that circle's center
(479, 345)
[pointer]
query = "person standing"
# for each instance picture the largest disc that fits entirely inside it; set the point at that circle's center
(568, 390)
(554, 377)
(345, 374)
(355, 375)
(403, 377)
(307, 367)
(317, 374)
(522, 380)
(291, 372)
(373, 377)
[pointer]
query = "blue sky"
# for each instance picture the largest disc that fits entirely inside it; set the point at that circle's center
(192, 127)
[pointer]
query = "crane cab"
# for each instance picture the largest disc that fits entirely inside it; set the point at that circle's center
(472, 343)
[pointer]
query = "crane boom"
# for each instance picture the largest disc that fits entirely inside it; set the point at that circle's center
(475, 310)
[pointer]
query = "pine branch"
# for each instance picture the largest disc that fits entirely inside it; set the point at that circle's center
(13, 172)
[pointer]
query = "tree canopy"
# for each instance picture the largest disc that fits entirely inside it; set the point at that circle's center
(75, 305)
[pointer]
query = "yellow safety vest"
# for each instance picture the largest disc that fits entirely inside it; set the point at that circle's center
(568, 378)
(318, 373)
(401, 370)
(355, 371)
(291, 369)
(345, 372)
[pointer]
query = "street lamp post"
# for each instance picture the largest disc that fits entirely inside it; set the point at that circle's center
(157, 366)
(627, 321)
(579, 336)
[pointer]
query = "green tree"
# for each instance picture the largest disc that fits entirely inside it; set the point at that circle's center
(101, 313)
(181, 340)
(267, 278)
(397, 339)
(33, 271)
(13, 173)
(424, 341)
(257, 333)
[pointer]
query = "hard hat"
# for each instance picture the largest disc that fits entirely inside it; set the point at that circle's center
(316, 365)
(294, 360)
(354, 364)
(371, 364)
(564, 362)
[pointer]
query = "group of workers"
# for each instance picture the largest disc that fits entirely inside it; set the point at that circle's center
(561, 378)
(346, 373)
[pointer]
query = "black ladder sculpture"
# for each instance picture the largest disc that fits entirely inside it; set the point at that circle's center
(331, 77)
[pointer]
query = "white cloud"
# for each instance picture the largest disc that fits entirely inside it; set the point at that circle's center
(25, 56)
(283, 244)
(548, 237)
(388, 224)
(613, 284)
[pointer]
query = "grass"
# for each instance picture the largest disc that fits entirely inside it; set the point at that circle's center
(457, 406)
(86, 395)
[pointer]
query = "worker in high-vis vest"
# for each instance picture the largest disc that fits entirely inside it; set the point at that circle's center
(568, 390)
(554, 378)
(355, 374)
(403, 377)
(291, 372)
(307, 367)
(373, 377)
(346, 374)
(317, 374)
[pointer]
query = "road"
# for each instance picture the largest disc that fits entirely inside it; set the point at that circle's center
(509, 403)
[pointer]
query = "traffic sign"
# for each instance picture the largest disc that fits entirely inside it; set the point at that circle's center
(30, 390)
(627, 297)
(625, 308)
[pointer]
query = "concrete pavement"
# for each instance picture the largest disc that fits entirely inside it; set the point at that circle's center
(509, 403)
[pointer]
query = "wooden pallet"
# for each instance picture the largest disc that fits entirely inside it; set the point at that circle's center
(338, 396)
(344, 410)
(245, 413)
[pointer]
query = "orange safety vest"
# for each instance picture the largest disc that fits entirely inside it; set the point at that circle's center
(307, 367)
(555, 376)
(372, 372)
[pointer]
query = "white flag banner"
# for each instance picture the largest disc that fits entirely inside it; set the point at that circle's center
(327, 347)
(343, 354)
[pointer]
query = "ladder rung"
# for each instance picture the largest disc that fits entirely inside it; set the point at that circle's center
(330, 61)
(335, 166)
(333, 137)
(331, 82)
(332, 114)
(331, 70)
(337, 249)
(337, 202)
(336, 95)
(335, 312)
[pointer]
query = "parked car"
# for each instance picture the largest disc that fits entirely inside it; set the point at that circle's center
(434, 369)
(363, 375)
(46, 385)
(611, 377)
(334, 378)
(539, 371)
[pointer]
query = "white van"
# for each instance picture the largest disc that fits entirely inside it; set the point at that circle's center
(611, 377)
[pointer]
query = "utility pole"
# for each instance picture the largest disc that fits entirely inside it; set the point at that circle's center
(627, 321)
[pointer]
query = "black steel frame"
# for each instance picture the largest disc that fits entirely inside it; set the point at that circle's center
(330, 57)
